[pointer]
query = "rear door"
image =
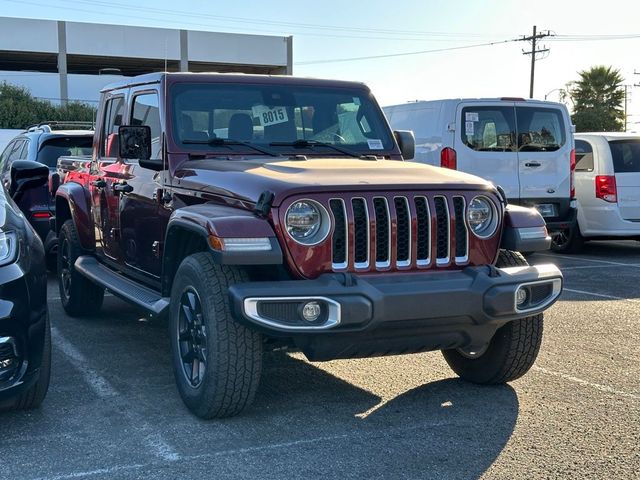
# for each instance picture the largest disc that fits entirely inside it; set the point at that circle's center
(544, 152)
(485, 143)
(626, 165)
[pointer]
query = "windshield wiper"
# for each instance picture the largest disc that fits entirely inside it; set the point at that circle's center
(315, 143)
(230, 141)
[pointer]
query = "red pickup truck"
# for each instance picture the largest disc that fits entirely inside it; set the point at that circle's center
(260, 211)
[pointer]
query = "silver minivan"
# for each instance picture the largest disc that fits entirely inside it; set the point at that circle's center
(524, 146)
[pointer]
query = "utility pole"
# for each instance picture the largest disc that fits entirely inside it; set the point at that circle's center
(533, 39)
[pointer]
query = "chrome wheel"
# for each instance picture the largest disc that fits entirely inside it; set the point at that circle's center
(192, 338)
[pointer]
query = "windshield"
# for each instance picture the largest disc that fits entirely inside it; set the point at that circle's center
(58, 147)
(276, 116)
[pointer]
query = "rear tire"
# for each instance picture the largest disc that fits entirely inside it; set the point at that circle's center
(79, 295)
(34, 397)
(568, 240)
(217, 362)
(511, 352)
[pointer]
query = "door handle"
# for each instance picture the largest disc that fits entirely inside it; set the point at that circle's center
(99, 183)
(122, 187)
(533, 164)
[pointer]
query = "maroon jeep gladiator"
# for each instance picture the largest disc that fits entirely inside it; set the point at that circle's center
(260, 211)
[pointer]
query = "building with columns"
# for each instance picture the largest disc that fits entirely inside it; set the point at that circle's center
(60, 61)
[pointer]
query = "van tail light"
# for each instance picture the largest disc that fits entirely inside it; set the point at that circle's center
(606, 188)
(41, 215)
(448, 158)
(572, 175)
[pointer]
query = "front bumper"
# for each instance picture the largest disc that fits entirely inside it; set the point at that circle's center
(374, 315)
(23, 312)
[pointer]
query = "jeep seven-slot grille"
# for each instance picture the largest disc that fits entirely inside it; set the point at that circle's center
(371, 244)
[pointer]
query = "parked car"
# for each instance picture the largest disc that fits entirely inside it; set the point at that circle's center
(25, 338)
(524, 146)
(44, 143)
(261, 211)
(607, 188)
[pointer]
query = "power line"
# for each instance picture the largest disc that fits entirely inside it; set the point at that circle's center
(401, 54)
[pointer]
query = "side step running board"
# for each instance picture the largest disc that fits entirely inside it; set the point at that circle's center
(121, 286)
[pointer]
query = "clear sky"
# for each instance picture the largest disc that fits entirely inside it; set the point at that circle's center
(336, 29)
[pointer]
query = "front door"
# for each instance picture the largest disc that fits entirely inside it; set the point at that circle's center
(141, 195)
(107, 171)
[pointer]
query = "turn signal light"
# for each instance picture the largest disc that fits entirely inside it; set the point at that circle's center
(606, 188)
(448, 158)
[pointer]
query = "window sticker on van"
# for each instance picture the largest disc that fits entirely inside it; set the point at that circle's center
(471, 116)
(469, 128)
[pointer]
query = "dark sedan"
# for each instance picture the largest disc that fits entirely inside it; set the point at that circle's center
(25, 337)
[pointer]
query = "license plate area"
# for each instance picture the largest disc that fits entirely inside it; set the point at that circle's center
(547, 209)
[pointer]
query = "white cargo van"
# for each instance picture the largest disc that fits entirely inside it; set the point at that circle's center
(524, 146)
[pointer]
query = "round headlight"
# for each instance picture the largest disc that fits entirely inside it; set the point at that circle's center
(482, 217)
(307, 222)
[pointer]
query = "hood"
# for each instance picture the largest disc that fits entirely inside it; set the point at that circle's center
(247, 179)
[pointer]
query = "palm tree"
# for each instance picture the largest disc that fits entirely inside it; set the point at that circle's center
(598, 100)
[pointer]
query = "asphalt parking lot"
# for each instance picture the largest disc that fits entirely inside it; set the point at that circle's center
(113, 411)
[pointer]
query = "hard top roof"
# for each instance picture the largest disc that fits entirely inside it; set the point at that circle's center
(150, 78)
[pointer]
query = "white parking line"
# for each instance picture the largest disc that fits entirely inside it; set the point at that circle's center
(597, 386)
(98, 384)
(569, 257)
(601, 295)
(258, 448)
(597, 266)
(101, 386)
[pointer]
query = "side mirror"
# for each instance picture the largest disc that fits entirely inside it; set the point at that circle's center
(135, 142)
(406, 142)
(26, 174)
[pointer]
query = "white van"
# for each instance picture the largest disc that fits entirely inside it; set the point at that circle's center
(607, 187)
(524, 146)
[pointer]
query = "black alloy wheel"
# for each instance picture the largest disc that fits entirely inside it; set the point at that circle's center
(65, 271)
(192, 338)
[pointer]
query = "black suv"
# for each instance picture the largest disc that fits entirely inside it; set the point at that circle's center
(44, 143)
(25, 338)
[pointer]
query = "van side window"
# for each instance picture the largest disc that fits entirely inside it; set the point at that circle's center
(584, 156)
(146, 112)
(113, 116)
(540, 129)
(489, 129)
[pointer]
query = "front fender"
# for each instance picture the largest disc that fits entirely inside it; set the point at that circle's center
(524, 230)
(221, 222)
(75, 197)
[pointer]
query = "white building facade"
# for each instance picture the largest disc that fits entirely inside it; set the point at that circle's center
(60, 61)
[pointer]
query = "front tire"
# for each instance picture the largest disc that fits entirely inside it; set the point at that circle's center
(511, 352)
(217, 362)
(79, 295)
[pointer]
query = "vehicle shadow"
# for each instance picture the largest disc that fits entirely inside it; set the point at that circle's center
(443, 429)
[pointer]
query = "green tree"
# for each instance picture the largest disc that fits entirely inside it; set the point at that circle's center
(19, 109)
(598, 98)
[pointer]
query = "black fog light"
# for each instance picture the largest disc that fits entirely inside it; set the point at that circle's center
(8, 358)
